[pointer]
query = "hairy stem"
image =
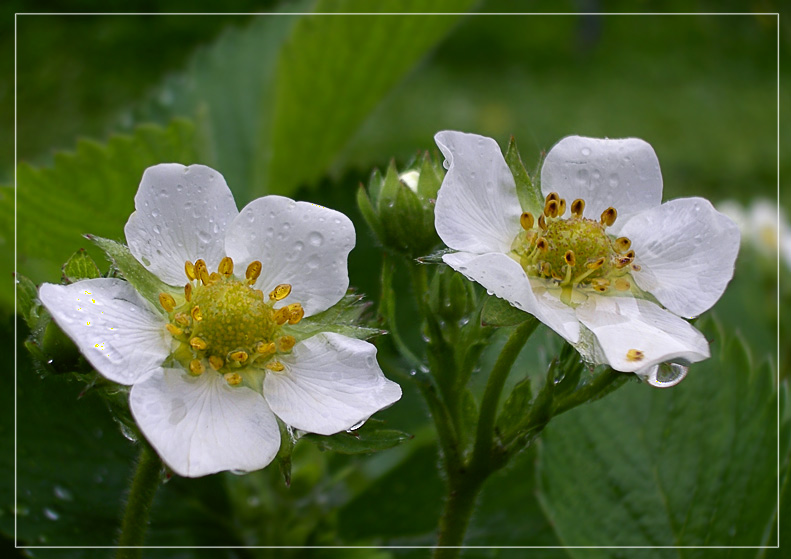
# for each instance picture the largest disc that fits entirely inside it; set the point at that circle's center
(145, 483)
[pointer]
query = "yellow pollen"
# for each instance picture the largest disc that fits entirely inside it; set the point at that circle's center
(198, 343)
(216, 362)
(196, 314)
(622, 284)
(253, 271)
(238, 356)
(551, 208)
(275, 366)
(265, 348)
(280, 292)
(634, 355)
(167, 301)
(188, 292)
(622, 244)
(189, 269)
(286, 343)
(182, 319)
(226, 267)
(296, 312)
(234, 379)
(608, 216)
(569, 258)
(527, 220)
(577, 207)
(197, 367)
(174, 330)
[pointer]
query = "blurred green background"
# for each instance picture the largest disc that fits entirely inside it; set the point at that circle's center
(307, 107)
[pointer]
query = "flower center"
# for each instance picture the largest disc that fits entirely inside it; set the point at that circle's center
(575, 254)
(224, 324)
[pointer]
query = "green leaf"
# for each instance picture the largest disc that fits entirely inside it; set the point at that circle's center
(342, 318)
(88, 191)
(499, 312)
(80, 266)
(27, 300)
(527, 191)
(692, 465)
(146, 283)
(368, 438)
(369, 214)
(327, 84)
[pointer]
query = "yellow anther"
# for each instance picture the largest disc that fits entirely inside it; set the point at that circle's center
(527, 221)
(296, 313)
(630, 254)
(625, 260)
(181, 319)
(234, 379)
(561, 207)
(253, 271)
(545, 268)
(600, 284)
(265, 348)
(188, 292)
(634, 355)
(174, 330)
(286, 343)
(239, 356)
(608, 216)
(542, 244)
(556, 276)
(569, 258)
(197, 367)
(204, 276)
(226, 266)
(622, 284)
(577, 207)
(276, 366)
(167, 301)
(542, 222)
(216, 362)
(189, 269)
(200, 265)
(196, 314)
(280, 292)
(281, 316)
(198, 343)
(551, 208)
(552, 196)
(622, 244)
(596, 264)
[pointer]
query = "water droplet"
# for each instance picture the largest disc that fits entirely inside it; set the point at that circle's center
(586, 152)
(154, 213)
(316, 238)
(357, 425)
(158, 231)
(270, 232)
(62, 493)
(614, 180)
(127, 432)
(313, 262)
(51, 514)
(582, 176)
(298, 246)
(250, 216)
(669, 374)
(204, 236)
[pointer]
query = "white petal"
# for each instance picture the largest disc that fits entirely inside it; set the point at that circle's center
(477, 209)
(298, 243)
(201, 425)
(686, 250)
(504, 277)
(623, 324)
(181, 213)
(330, 384)
(623, 174)
(115, 328)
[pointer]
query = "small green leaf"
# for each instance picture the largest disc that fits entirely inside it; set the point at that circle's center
(430, 177)
(27, 300)
(367, 439)
(390, 187)
(80, 266)
(515, 408)
(526, 190)
(369, 214)
(342, 318)
(146, 283)
(499, 312)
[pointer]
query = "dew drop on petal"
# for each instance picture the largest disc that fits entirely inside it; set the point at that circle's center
(316, 238)
(670, 374)
(313, 262)
(586, 152)
(204, 236)
(51, 514)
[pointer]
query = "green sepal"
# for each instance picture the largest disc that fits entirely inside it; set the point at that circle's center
(80, 266)
(28, 305)
(499, 313)
(283, 456)
(389, 189)
(342, 318)
(369, 214)
(527, 190)
(449, 297)
(146, 283)
(430, 178)
(365, 440)
(375, 186)
(515, 409)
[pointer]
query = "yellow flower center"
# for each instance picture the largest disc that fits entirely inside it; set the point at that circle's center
(575, 254)
(223, 323)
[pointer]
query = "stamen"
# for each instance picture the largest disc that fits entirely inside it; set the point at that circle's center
(167, 301)
(189, 269)
(551, 208)
(253, 271)
(214, 277)
(200, 267)
(622, 284)
(569, 258)
(286, 343)
(198, 343)
(608, 216)
(226, 267)
(527, 221)
(280, 292)
(577, 207)
(600, 284)
(634, 355)
(596, 264)
(622, 244)
(174, 330)
(238, 356)
(197, 367)
(275, 366)
(182, 319)
(542, 244)
(234, 379)
(188, 292)
(561, 207)
(264, 348)
(636, 267)
(297, 312)
(552, 196)
(196, 314)
(281, 316)
(216, 362)
(542, 222)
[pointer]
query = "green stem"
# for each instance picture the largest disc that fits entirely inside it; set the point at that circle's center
(138, 505)
(456, 517)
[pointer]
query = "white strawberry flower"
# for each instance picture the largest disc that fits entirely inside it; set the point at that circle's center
(220, 354)
(616, 290)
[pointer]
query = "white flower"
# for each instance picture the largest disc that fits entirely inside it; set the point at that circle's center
(764, 226)
(219, 356)
(615, 290)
